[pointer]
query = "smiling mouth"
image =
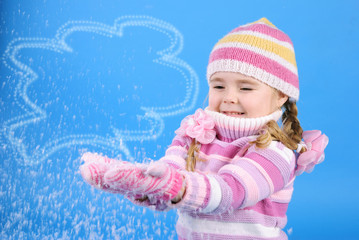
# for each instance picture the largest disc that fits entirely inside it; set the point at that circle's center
(233, 114)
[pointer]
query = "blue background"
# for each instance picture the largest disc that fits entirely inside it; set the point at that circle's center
(117, 77)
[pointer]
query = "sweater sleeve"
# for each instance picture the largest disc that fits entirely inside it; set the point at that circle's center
(176, 153)
(244, 182)
(259, 173)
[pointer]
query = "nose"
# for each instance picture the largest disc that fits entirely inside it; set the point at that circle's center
(231, 97)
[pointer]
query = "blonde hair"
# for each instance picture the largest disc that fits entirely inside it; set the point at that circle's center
(192, 156)
(290, 135)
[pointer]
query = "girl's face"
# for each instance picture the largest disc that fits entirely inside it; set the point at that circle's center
(238, 95)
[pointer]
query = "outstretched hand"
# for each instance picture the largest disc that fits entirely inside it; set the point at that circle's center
(94, 168)
(156, 181)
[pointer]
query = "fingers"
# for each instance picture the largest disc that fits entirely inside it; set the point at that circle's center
(94, 168)
(131, 178)
(126, 177)
(93, 173)
(155, 180)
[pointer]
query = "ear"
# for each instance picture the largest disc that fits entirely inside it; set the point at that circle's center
(282, 98)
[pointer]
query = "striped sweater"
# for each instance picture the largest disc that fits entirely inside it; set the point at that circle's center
(237, 191)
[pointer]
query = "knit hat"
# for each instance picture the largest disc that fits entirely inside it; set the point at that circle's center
(258, 50)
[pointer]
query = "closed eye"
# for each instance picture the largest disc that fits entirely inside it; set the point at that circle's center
(246, 89)
(218, 87)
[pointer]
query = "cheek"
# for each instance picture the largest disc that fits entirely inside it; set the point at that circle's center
(252, 105)
(257, 105)
(274, 104)
(213, 101)
(269, 105)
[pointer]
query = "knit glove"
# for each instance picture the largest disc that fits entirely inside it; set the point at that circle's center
(157, 181)
(94, 168)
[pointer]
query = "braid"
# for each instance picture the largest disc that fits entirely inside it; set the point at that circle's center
(290, 135)
(192, 156)
(291, 125)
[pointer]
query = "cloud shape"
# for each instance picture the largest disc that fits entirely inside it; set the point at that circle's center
(27, 74)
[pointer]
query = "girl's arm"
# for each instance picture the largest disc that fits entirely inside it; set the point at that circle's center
(259, 174)
(176, 153)
(243, 183)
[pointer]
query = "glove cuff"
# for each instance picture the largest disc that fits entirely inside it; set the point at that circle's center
(173, 185)
(197, 192)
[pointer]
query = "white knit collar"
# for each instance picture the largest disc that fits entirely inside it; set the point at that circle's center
(232, 128)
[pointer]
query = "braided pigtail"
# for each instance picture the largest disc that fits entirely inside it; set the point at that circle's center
(192, 156)
(290, 134)
(291, 125)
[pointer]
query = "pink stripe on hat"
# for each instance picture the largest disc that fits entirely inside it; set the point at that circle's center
(265, 29)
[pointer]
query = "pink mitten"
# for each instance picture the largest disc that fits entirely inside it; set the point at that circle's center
(94, 168)
(158, 180)
(315, 142)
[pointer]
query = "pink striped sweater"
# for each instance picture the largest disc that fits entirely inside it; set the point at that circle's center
(238, 191)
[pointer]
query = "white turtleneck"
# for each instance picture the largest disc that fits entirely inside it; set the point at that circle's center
(231, 128)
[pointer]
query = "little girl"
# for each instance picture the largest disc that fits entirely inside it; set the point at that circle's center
(230, 168)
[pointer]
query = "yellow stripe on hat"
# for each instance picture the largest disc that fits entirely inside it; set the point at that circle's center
(264, 44)
(264, 20)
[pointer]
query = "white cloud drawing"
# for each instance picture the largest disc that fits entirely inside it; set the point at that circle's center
(27, 74)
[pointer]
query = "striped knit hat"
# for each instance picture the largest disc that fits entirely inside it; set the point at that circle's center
(258, 50)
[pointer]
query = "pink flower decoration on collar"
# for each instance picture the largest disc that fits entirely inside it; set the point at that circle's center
(199, 126)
